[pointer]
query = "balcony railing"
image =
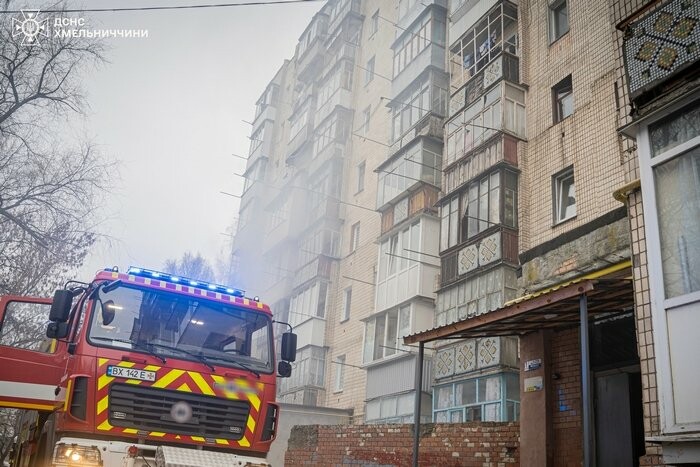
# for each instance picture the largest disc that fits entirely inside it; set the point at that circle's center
(505, 66)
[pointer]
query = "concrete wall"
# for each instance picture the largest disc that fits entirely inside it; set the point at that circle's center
(467, 444)
(292, 415)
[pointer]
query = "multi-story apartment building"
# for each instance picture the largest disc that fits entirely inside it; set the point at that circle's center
(533, 243)
(407, 189)
(337, 226)
(563, 307)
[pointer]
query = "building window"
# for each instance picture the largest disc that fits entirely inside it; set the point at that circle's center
(490, 201)
(416, 40)
(564, 195)
(374, 25)
(347, 302)
(563, 99)
(494, 33)
(384, 333)
(558, 19)
(339, 372)
(399, 253)
(307, 370)
(369, 71)
(396, 408)
(364, 129)
(361, 176)
(675, 167)
(415, 102)
(354, 237)
(449, 227)
(494, 398)
(308, 303)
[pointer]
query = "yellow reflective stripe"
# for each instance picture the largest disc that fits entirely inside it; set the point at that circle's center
(67, 395)
(251, 423)
(102, 361)
(201, 384)
(222, 441)
(103, 381)
(133, 381)
(102, 404)
(157, 433)
(169, 377)
(23, 405)
(126, 364)
(197, 438)
(255, 400)
(184, 387)
(131, 431)
(104, 426)
(151, 368)
(244, 442)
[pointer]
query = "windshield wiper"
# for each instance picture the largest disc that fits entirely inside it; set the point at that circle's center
(201, 358)
(136, 345)
(240, 365)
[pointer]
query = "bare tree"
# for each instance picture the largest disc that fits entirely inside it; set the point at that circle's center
(190, 265)
(49, 187)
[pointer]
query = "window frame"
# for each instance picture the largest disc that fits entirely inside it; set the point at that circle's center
(369, 70)
(561, 91)
(558, 180)
(347, 304)
(361, 168)
(354, 236)
(462, 408)
(552, 13)
(660, 305)
(386, 351)
(338, 381)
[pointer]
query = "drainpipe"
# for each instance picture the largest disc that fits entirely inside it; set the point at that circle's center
(586, 400)
(416, 406)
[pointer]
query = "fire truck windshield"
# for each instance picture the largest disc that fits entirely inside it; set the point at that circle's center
(177, 326)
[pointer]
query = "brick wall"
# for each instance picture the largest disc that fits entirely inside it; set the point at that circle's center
(567, 430)
(466, 444)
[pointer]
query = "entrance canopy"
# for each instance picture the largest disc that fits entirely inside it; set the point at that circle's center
(552, 308)
(571, 304)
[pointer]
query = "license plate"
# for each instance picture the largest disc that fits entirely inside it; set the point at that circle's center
(130, 373)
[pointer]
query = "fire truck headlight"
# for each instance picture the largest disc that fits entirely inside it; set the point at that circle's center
(69, 455)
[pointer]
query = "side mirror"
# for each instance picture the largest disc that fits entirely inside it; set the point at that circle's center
(57, 330)
(289, 347)
(108, 312)
(284, 369)
(60, 307)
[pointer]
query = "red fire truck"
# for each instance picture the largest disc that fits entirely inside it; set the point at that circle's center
(141, 369)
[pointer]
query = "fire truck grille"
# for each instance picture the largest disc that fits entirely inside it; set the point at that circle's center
(163, 410)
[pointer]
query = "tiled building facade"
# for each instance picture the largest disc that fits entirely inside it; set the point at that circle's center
(430, 164)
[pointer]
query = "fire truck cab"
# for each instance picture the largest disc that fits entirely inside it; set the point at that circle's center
(141, 369)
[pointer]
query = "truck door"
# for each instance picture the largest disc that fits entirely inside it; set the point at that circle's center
(31, 367)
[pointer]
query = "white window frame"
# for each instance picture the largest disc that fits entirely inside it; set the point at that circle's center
(557, 198)
(361, 168)
(354, 236)
(374, 23)
(347, 304)
(369, 70)
(339, 373)
(659, 304)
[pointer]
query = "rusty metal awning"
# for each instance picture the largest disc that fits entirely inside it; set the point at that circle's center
(557, 307)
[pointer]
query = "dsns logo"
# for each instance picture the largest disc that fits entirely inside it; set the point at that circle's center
(30, 27)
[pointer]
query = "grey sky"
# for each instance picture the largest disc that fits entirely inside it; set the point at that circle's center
(169, 108)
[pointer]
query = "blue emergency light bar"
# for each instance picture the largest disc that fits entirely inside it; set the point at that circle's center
(161, 276)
